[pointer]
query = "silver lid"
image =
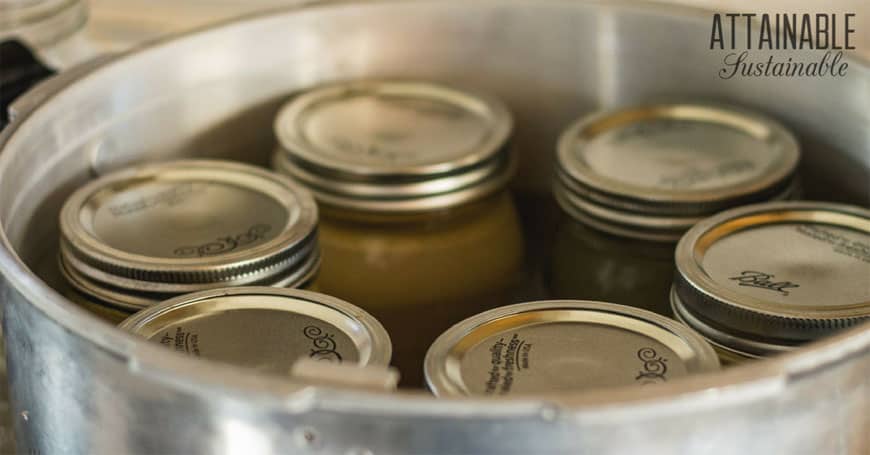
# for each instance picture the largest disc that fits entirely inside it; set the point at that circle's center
(561, 346)
(264, 328)
(394, 145)
(653, 171)
(765, 277)
(139, 235)
(726, 344)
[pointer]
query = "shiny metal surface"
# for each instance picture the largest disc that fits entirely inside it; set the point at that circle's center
(140, 233)
(733, 344)
(776, 273)
(627, 224)
(562, 346)
(263, 328)
(395, 146)
(688, 160)
(73, 377)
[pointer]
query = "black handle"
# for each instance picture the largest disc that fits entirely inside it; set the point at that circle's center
(20, 69)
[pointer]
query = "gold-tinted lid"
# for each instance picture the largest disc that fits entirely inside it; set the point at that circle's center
(394, 145)
(657, 169)
(561, 346)
(775, 274)
(264, 328)
(183, 226)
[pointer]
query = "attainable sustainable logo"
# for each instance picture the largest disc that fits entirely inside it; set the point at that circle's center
(763, 45)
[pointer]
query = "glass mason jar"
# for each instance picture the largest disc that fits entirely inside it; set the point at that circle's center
(762, 279)
(144, 234)
(630, 182)
(417, 226)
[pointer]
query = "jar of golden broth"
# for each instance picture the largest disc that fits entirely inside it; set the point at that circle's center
(144, 234)
(763, 279)
(417, 226)
(630, 182)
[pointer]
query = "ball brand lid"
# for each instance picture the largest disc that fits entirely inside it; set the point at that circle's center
(134, 236)
(561, 346)
(264, 328)
(394, 145)
(762, 278)
(653, 171)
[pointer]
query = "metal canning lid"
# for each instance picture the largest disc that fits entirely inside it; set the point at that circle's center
(146, 233)
(724, 342)
(264, 328)
(560, 346)
(395, 146)
(763, 278)
(652, 171)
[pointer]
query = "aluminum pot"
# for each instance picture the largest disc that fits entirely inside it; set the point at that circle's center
(81, 386)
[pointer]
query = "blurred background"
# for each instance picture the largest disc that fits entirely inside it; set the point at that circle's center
(125, 22)
(112, 25)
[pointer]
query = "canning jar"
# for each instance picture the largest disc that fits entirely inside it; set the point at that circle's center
(560, 346)
(763, 279)
(630, 182)
(417, 225)
(144, 234)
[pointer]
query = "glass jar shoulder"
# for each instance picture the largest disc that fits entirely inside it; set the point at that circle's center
(589, 264)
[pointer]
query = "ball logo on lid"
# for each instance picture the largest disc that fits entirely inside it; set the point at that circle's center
(764, 281)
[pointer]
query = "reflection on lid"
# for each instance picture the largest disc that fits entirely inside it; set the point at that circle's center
(562, 346)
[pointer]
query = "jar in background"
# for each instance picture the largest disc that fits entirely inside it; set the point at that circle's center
(144, 234)
(417, 226)
(762, 279)
(631, 181)
(559, 346)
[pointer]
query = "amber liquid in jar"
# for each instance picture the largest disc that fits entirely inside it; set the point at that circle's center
(418, 274)
(596, 265)
(417, 226)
